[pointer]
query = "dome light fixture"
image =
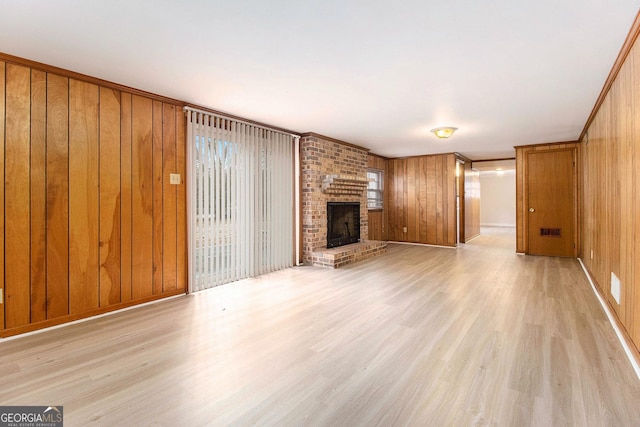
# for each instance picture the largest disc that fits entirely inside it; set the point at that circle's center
(444, 132)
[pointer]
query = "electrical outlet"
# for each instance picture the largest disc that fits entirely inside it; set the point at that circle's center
(591, 253)
(174, 178)
(404, 229)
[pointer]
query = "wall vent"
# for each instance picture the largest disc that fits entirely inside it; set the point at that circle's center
(551, 232)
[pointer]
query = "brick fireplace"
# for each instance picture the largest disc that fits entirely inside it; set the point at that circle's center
(332, 171)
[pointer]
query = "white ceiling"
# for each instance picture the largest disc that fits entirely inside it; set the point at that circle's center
(376, 73)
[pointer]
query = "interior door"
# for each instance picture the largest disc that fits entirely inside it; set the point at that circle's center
(551, 190)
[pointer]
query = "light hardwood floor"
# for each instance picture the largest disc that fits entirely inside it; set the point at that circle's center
(420, 336)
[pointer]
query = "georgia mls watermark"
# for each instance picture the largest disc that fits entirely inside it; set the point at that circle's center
(31, 416)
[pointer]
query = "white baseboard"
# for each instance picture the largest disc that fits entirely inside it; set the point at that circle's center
(612, 321)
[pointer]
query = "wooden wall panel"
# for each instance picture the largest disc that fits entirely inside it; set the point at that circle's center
(142, 197)
(2, 162)
(431, 202)
(450, 194)
(157, 168)
(397, 207)
(610, 203)
(423, 199)
(440, 208)
(38, 196)
(376, 162)
(110, 197)
(181, 155)
(633, 285)
(16, 187)
(412, 181)
(170, 198)
(126, 198)
(57, 196)
(83, 197)
(89, 220)
(375, 225)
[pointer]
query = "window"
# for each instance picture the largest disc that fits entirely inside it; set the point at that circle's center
(375, 190)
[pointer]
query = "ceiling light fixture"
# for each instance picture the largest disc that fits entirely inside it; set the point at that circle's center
(444, 132)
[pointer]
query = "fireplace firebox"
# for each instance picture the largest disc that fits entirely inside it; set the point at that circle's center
(343, 223)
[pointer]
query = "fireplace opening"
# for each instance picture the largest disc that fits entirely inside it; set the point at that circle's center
(343, 223)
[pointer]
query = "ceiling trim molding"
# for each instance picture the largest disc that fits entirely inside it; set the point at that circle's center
(463, 158)
(547, 144)
(454, 154)
(378, 155)
(494, 160)
(617, 65)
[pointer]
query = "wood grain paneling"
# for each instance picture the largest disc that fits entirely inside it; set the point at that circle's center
(57, 196)
(142, 197)
(170, 200)
(376, 162)
(16, 202)
(38, 196)
(126, 199)
(158, 164)
(431, 202)
(83, 197)
(412, 181)
(2, 162)
(86, 201)
(181, 155)
(376, 221)
(449, 186)
(110, 197)
(440, 207)
(633, 284)
(423, 199)
(611, 210)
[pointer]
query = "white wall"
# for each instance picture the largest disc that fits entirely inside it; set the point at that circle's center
(498, 199)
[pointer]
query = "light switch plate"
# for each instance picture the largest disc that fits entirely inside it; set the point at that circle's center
(174, 178)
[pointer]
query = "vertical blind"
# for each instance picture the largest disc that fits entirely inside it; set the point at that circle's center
(241, 199)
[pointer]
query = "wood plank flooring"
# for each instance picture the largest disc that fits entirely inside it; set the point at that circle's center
(419, 336)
